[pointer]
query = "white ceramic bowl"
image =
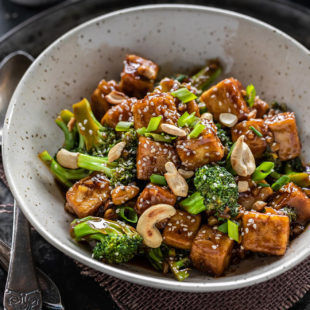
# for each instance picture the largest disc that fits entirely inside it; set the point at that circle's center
(177, 37)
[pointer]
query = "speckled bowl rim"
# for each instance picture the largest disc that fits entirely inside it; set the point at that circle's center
(163, 283)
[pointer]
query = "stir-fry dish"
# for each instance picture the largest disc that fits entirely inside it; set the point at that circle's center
(187, 172)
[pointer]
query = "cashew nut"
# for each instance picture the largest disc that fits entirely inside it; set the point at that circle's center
(173, 130)
(147, 221)
(228, 119)
(67, 159)
(116, 151)
(186, 174)
(115, 97)
(175, 181)
(242, 159)
(207, 116)
(147, 71)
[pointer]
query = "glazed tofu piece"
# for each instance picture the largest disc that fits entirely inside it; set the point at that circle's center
(261, 107)
(154, 105)
(153, 195)
(152, 157)
(265, 233)
(257, 144)
(291, 195)
(211, 250)
(138, 76)
(122, 193)
(205, 149)
(181, 230)
(284, 129)
(86, 196)
(99, 104)
(120, 112)
(226, 97)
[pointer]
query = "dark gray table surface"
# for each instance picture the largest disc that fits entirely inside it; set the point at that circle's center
(79, 292)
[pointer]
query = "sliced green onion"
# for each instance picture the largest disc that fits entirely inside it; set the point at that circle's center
(275, 175)
(262, 171)
(181, 77)
(158, 179)
(280, 182)
(182, 118)
(141, 131)
(160, 137)
(154, 123)
(128, 214)
(187, 119)
(193, 204)
(233, 230)
(263, 184)
(250, 95)
(184, 95)
(256, 131)
(223, 228)
(198, 129)
(123, 126)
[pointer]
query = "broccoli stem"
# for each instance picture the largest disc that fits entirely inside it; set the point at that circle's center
(69, 135)
(193, 204)
(62, 174)
(66, 116)
(156, 258)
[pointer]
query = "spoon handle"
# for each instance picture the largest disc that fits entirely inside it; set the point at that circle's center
(22, 288)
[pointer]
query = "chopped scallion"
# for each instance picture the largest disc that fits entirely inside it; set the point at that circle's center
(141, 131)
(187, 119)
(181, 77)
(128, 214)
(256, 131)
(160, 137)
(233, 230)
(184, 95)
(280, 182)
(154, 123)
(263, 184)
(193, 204)
(123, 126)
(158, 179)
(262, 171)
(198, 129)
(223, 228)
(250, 95)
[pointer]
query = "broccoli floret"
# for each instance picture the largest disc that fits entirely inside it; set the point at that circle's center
(180, 268)
(70, 136)
(294, 165)
(290, 212)
(218, 188)
(224, 136)
(116, 242)
(98, 139)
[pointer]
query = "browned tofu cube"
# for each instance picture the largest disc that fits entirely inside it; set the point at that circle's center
(205, 149)
(99, 105)
(226, 97)
(257, 144)
(211, 250)
(154, 105)
(86, 196)
(121, 194)
(292, 196)
(152, 157)
(284, 129)
(120, 112)
(181, 230)
(261, 107)
(153, 195)
(265, 233)
(138, 76)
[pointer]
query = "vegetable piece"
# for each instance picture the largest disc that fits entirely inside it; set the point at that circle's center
(154, 123)
(198, 129)
(193, 204)
(256, 131)
(280, 182)
(224, 137)
(158, 179)
(223, 228)
(160, 137)
(181, 77)
(233, 230)
(180, 268)
(187, 119)
(263, 184)
(128, 214)
(207, 75)
(98, 139)
(300, 178)
(290, 212)
(70, 136)
(250, 95)
(184, 95)
(142, 131)
(62, 174)
(218, 188)
(123, 126)
(155, 257)
(262, 171)
(116, 241)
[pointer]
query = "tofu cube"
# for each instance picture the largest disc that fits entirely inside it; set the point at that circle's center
(152, 157)
(138, 76)
(205, 149)
(153, 195)
(86, 196)
(256, 144)
(291, 195)
(121, 194)
(211, 250)
(181, 230)
(265, 233)
(261, 107)
(284, 129)
(154, 105)
(120, 112)
(226, 97)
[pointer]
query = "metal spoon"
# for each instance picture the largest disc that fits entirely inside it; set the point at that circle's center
(22, 290)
